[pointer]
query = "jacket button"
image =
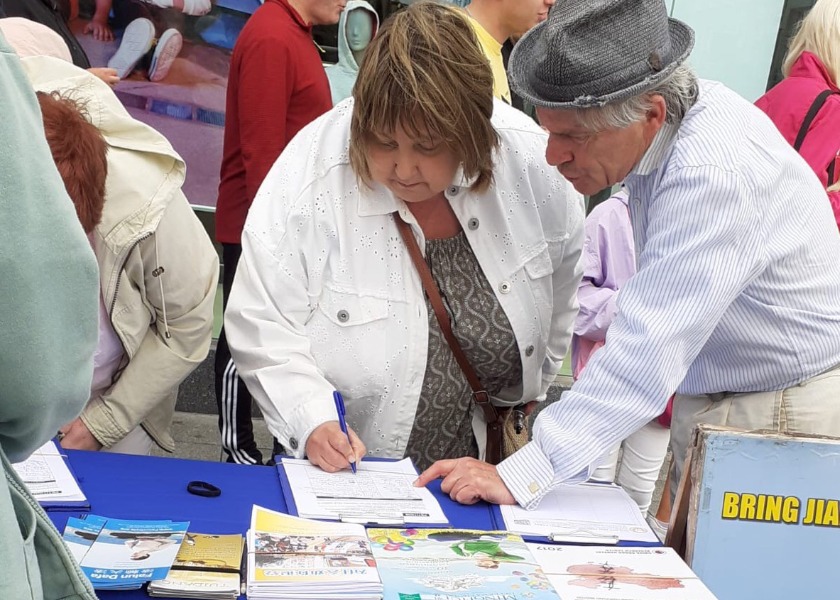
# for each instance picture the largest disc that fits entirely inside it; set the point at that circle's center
(504, 287)
(293, 443)
(343, 316)
(473, 224)
(529, 351)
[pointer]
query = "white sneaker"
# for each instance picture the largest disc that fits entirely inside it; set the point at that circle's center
(136, 42)
(195, 8)
(167, 50)
(660, 528)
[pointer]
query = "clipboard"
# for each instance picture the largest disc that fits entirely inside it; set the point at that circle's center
(61, 505)
(291, 505)
(581, 535)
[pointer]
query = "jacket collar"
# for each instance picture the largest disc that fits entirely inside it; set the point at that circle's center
(809, 66)
(657, 150)
(294, 14)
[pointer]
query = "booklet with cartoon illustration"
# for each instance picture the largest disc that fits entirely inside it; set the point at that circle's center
(126, 554)
(619, 573)
(457, 564)
(290, 557)
(207, 567)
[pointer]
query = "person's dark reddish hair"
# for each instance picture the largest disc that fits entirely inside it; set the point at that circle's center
(79, 152)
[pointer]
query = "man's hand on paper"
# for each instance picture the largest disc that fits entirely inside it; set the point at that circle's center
(76, 436)
(327, 447)
(467, 481)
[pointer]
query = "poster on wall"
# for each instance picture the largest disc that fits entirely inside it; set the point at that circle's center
(186, 104)
(764, 518)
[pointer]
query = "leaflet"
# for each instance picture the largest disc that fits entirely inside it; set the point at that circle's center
(126, 554)
(613, 573)
(207, 567)
(584, 513)
(291, 557)
(379, 492)
(457, 564)
(79, 534)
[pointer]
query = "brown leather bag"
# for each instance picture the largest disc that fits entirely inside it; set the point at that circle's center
(503, 424)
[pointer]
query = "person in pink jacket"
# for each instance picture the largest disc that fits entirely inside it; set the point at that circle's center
(812, 70)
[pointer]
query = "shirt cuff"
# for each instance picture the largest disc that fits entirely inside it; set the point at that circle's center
(528, 475)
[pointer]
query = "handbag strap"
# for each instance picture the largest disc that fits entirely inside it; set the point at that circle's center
(480, 395)
(809, 117)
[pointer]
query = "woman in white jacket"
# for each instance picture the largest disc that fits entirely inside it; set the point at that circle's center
(327, 298)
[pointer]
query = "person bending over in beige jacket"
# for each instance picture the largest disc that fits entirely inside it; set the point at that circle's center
(158, 268)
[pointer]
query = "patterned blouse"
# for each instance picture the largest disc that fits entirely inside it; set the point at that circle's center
(443, 422)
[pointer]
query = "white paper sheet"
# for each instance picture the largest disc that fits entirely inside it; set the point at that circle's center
(47, 476)
(379, 492)
(584, 513)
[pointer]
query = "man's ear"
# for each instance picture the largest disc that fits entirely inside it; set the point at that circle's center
(657, 112)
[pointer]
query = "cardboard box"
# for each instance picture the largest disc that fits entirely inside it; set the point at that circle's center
(763, 519)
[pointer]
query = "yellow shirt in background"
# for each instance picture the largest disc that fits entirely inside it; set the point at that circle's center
(493, 51)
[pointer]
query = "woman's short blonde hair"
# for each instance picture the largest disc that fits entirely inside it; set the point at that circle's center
(818, 33)
(425, 71)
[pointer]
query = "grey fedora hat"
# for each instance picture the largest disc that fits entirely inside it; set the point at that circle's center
(592, 52)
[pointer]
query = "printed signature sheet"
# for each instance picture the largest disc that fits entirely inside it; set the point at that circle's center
(46, 475)
(381, 492)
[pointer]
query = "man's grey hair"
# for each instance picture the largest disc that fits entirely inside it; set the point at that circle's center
(679, 91)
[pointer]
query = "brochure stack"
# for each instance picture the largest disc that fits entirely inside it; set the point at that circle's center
(118, 554)
(207, 567)
(296, 559)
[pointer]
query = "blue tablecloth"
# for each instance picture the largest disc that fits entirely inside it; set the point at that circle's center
(145, 487)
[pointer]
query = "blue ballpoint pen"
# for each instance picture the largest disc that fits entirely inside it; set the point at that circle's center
(342, 422)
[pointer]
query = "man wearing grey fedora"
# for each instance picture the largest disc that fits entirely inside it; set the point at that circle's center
(736, 302)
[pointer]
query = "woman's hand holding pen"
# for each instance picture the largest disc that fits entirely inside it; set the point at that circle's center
(327, 447)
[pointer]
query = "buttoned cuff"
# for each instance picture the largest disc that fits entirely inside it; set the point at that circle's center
(528, 475)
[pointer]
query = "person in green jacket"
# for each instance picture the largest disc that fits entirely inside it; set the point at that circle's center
(48, 333)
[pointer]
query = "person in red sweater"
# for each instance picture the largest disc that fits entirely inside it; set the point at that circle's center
(276, 86)
(812, 69)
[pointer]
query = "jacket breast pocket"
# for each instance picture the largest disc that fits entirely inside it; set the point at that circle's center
(538, 271)
(348, 309)
(353, 339)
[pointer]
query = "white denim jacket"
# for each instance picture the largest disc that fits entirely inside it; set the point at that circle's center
(326, 296)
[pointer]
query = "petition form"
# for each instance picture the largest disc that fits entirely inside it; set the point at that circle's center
(379, 492)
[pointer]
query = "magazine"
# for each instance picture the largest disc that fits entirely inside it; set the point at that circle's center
(126, 554)
(457, 564)
(207, 567)
(290, 557)
(619, 573)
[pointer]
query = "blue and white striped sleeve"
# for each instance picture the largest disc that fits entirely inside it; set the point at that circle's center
(703, 246)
